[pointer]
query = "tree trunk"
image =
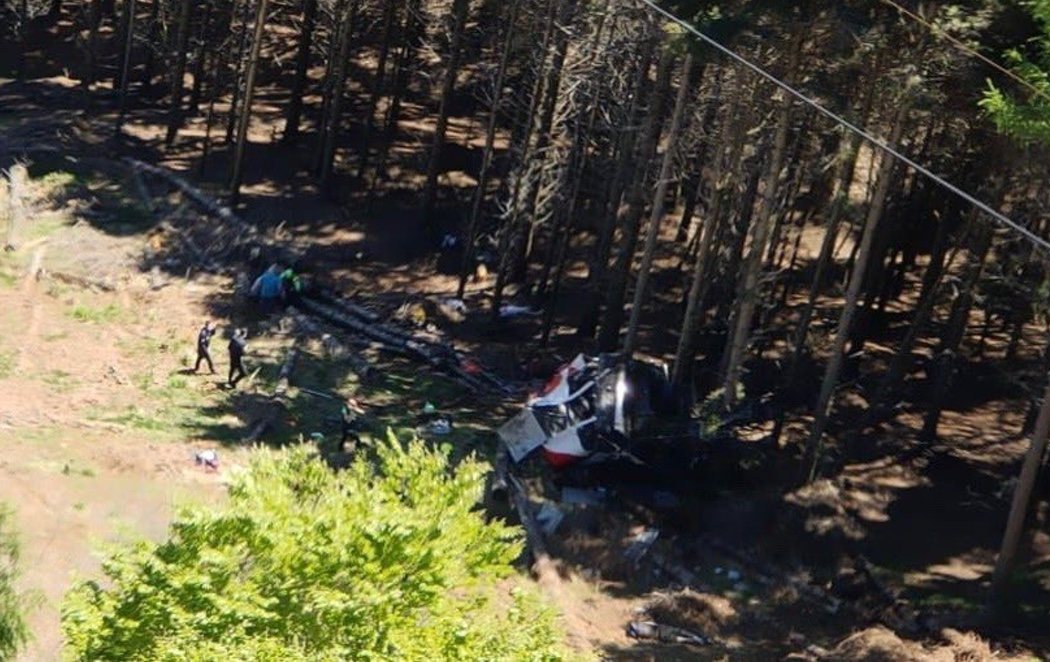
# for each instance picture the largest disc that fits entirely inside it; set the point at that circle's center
(509, 235)
(486, 158)
(902, 360)
(631, 216)
(836, 209)
(302, 68)
(200, 59)
(954, 332)
(565, 218)
(333, 122)
(209, 118)
(151, 49)
(551, 87)
(125, 67)
(731, 134)
(94, 21)
(389, 28)
(413, 30)
(1015, 523)
(693, 186)
(177, 83)
(737, 231)
(238, 67)
(246, 110)
(599, 266)
(749, 286)
(564, 223)
(577, 167)
(843, 178)
(831, 375)
(657, 215)
(126, 10)
(459, 19)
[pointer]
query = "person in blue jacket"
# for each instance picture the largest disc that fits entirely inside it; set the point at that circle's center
(267, 287)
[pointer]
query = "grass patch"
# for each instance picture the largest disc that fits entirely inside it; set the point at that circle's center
(42, 434)
(69, 470)
(59, 380)
(55, 336)
(7, 363)
(7, 279)
(88, 314)
(44, 225)
(152, 348)
(139, 419)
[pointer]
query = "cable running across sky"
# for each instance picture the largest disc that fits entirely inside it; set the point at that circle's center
(878, 142)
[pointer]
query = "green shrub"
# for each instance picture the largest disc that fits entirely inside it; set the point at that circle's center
(13, 631)
(391, 561)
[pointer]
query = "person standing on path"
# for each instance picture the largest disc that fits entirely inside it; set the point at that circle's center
(203, 344)
(237, 347)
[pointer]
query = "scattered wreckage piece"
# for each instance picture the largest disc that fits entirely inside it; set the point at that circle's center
(651, 631)
(641, 544)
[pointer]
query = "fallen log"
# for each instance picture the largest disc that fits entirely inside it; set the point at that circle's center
(243, 232)
(435, 356)
(205, 201)
(81, 281)
(260, 428)
(277, 398)
(333, 299)
(375, 332)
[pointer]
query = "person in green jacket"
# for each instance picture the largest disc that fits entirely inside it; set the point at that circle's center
(291, 286)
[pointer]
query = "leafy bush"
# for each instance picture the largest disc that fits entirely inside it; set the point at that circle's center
(391, 561)
(13, 632)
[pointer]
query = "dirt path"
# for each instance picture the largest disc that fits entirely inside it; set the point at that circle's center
(88, 456)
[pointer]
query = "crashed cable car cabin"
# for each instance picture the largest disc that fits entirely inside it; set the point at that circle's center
(592, 405)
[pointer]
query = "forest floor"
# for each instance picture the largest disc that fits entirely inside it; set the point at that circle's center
(99, 421)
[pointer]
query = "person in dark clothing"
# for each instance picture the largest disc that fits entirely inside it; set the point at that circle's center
(203, 343)
(237, 347)
(351, 423)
